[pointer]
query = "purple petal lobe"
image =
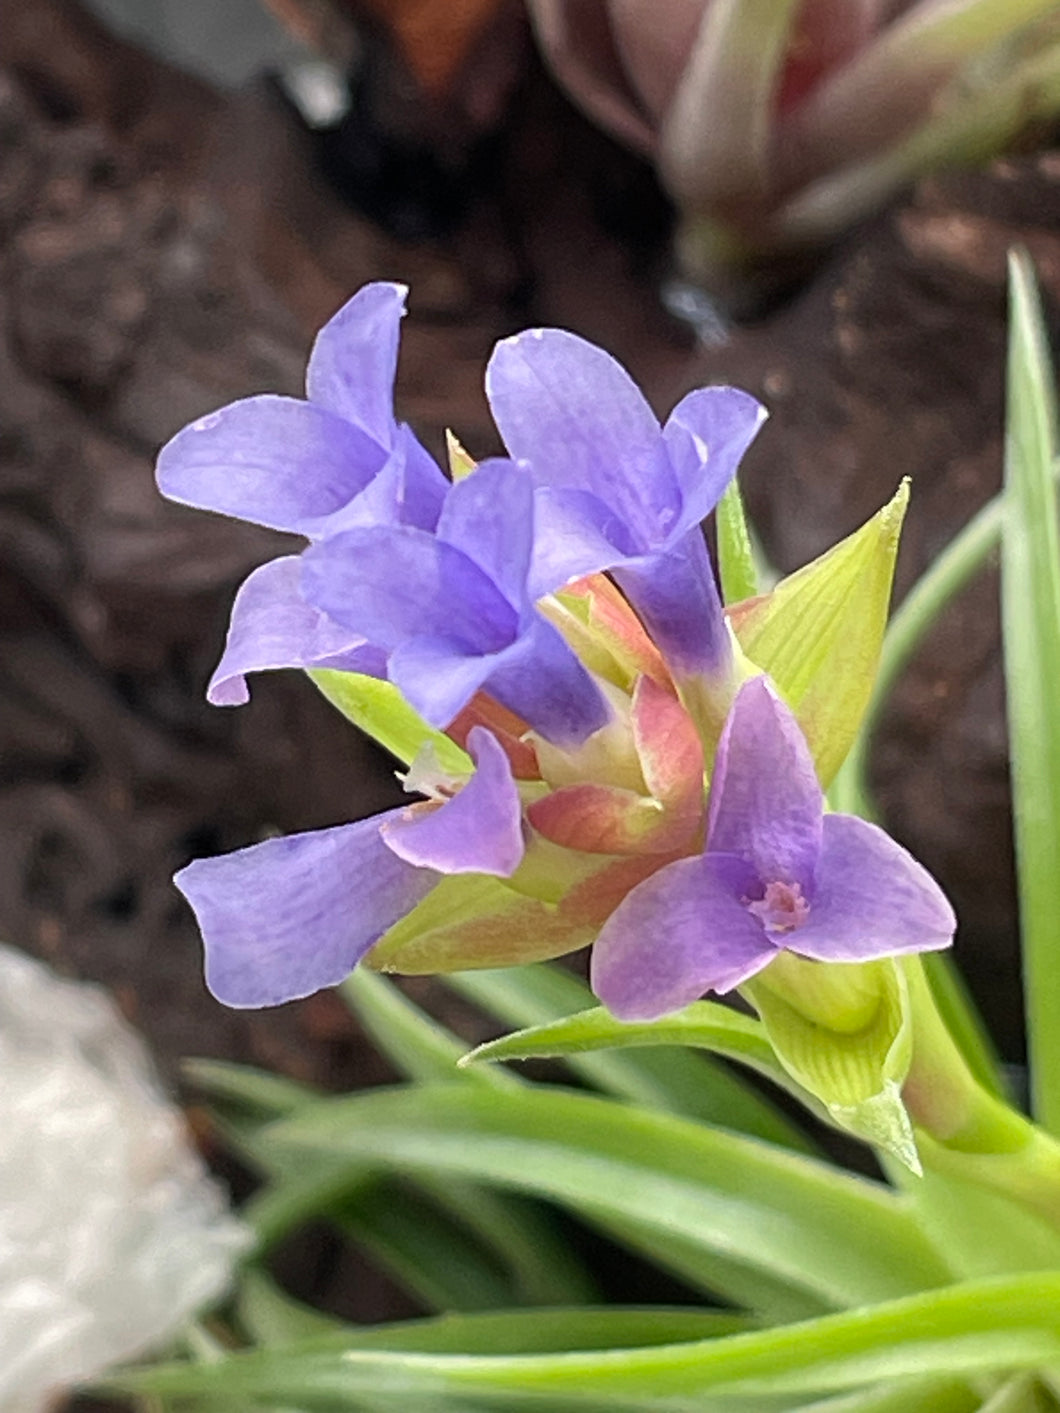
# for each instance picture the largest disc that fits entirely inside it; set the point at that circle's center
(438, 677)
(576, 534)
(706, 435)
(676, 598)
(681, 932)
(271, 460)
(395, 583)
(873, 899)
(577, 417)
(273, 626)
(478, 831)
(408, 489)
(284, 918)
(489, 515)
(765, 800)
(541, 680)
(354, 359)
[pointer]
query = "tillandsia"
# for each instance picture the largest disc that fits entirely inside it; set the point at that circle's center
(606, 754)
(624, 769)
(778, 124)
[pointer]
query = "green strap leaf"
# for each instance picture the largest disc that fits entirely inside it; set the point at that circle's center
(1030, 606)
(964, 1331)
(662, 1075)
(705, 1024)
(840, 1238)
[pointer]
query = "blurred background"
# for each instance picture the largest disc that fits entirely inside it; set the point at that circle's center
(188, 190)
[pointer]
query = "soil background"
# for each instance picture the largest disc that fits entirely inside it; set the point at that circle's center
(165, 248)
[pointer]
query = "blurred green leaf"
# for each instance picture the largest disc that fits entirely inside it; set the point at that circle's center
(1030, 604)
(969, 1330)
(838, 1237)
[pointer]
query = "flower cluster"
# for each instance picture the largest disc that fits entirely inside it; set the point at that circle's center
(602, 757)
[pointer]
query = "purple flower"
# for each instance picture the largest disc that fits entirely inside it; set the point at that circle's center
(313, 468)
(454, 610)
(777, 873)
(286, 917)
(618, 492)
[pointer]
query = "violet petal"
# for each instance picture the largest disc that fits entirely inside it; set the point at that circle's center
(284, 918)
(576, 535)
(765, 800)
(408, 489)
(272, 626)
(706, 435)
(676, 597)
(489, 516)
(354, 360)
(438, 677)
(540, 679)
(872, 899)
(275, 461)
(479, 830)
(394, 583)
(680, 933)
(575, 415)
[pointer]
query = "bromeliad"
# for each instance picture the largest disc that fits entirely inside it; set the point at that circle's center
(551, 621)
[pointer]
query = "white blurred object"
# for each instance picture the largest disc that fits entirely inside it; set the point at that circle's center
(112, 1234)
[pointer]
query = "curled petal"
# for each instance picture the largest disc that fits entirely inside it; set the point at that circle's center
(676, 598)
(574, 413)
(577, 535)
(872, 900)
(273, 626)
(706, 435)
(489, 515)
(541, 680)
(395, 583)
(479, 830)
(680, 933)
(354, 359)
(284, 918)
(438, 677)
(275, 461)
(765, 801)
(409, 489)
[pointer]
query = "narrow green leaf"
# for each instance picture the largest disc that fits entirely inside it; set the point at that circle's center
(736, 559)
(704, 1024)
(839, 1237)
(431, 1255)
(414, 1042)
(970, 1330)
(272, 1318)
(252, 1091)
(664, 1077)
(1030, 604)
(1020, 1394)
(379, 709)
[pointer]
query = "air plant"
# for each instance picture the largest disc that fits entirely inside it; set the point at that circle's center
(608, 751)
(776, 125)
